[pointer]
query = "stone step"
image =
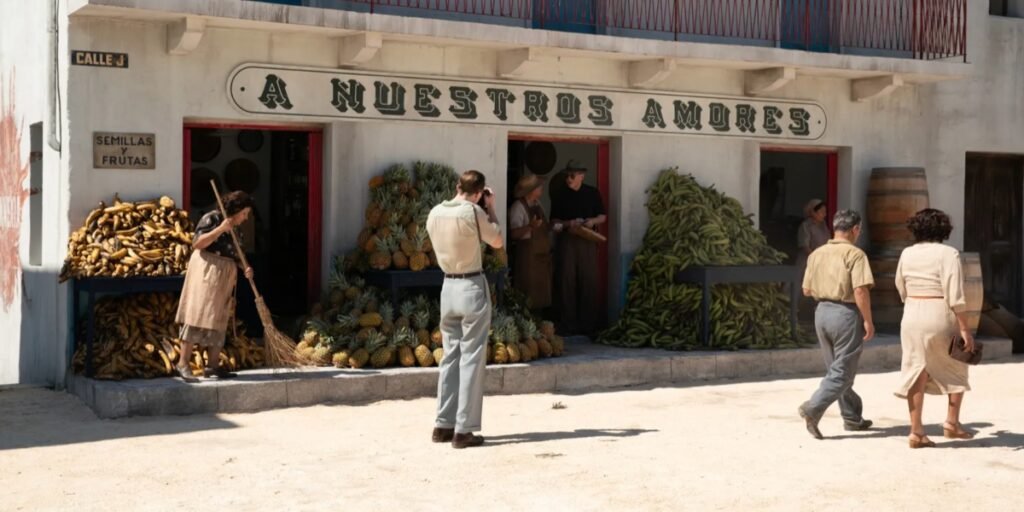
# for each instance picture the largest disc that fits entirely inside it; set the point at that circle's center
(586, 367)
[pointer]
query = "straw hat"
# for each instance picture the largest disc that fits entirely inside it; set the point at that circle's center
(812, 205)
(528, 183)
(574, 166)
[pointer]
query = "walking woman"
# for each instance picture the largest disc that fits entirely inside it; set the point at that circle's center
(205, 305)
(930, 283)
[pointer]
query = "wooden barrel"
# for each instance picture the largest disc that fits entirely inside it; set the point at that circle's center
(974, 287)
(894, 195)
(886, 307)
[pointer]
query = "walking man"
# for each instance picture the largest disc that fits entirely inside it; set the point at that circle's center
(839, 278)
(456, 229)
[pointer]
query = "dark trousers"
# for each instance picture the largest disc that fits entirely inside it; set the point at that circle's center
(577, 284)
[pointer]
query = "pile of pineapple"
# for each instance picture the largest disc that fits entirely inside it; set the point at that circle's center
(395, 234)
(356, 327)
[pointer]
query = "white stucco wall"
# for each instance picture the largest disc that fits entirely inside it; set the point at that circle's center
(932, 126)
(32, 350)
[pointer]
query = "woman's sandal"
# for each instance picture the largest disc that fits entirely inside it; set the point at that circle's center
(920, 441)
(956, 432)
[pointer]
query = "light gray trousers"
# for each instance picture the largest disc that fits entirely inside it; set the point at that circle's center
(465, 322)
(841, 335)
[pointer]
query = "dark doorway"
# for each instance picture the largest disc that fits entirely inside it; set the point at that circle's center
(282, 237)
(806, 25)
(547, 158)
(789, 180)
(992, 224)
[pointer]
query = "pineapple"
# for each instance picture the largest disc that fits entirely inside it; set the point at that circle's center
(398, 258)
(438, 355)
(372, 304)
(406, 311)
(322, 355)
(359, 356)
(547, 329)
(558, 345)
(359, 305)
(405, 340)
(380, 258)
(501, 355)
(421, 320)
(435, 337)
(340, 358)
(383, 350)
(387, 316)
(364, 334)
(419, 260)
(373, 320)
(511, 336)
(543, 345)
(529, 332)
(423, 356)
(337, 284)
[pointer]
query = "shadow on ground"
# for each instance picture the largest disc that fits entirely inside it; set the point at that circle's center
(34, 418)
(582, 433)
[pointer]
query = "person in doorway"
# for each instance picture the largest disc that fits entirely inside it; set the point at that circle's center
(577, 205)
(456, 228)
(529, 230)
(205, 306)
(929, 278)
(839, 278)
(813, 232)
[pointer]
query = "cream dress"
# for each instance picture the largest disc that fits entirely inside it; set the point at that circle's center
(930, 270)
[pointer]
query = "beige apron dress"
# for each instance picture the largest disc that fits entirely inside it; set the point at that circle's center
(532, 265)
(206, 298)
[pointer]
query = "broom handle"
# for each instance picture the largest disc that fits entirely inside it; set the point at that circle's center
(234, 238)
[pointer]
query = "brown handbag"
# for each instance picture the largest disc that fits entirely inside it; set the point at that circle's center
(956, 351)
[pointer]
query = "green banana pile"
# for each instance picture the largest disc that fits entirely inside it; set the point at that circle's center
(694, 225)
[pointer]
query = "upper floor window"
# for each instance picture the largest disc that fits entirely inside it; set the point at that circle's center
(998, 7)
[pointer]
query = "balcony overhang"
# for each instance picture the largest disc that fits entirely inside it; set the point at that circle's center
(237, 14)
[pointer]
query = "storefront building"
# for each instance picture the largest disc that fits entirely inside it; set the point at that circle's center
(302, 104)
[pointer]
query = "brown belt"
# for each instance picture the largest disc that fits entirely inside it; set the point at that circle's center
(919, 297)
(463, 276)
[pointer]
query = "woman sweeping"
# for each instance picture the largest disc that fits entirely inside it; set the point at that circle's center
(206, 299)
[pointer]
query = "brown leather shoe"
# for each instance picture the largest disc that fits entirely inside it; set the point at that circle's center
(468, 440)
(442, 435)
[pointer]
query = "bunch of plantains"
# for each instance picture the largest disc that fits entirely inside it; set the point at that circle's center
(694, 225)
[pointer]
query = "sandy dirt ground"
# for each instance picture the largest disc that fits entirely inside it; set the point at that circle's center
(728, 446)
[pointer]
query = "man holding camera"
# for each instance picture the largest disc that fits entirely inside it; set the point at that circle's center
(456, 228)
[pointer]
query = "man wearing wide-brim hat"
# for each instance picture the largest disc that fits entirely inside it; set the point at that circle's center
(531, 236)
(576, 205)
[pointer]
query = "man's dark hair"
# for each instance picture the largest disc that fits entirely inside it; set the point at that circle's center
(930, 225)
(472, 182)
(237, 201)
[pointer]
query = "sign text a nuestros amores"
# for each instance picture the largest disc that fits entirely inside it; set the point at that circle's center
(333, 93)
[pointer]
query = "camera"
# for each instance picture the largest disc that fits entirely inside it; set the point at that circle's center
(483, 198)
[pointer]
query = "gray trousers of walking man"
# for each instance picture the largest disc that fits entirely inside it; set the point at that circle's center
(465, 322)
(840, 332)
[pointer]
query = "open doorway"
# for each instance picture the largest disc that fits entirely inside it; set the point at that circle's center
(280, 169)
(992, 224)
(547, 158)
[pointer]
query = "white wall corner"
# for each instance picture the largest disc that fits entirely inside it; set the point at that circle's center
(647, 73)
(762, 81)
(515, 63)
(184, 35)
(867, 89)
(359, 48)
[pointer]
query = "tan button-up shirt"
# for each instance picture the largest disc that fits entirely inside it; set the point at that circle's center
(456, 240)
(835, 269)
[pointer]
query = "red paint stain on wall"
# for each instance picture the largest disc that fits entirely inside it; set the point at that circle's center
(13, 173)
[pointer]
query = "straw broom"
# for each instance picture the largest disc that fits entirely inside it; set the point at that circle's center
(279, 348)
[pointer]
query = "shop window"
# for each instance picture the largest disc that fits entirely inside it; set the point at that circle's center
(35, 198)
(998, 7)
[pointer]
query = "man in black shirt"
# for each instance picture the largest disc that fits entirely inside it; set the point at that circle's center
(576, 205)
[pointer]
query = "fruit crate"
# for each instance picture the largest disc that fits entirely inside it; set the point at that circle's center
(93, 286)
(708, 276)
(395, 280)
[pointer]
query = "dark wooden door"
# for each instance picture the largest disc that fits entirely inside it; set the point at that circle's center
(992, 224)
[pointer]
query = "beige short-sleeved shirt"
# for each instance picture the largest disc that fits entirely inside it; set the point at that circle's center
(932, 270)
(835, 269)
(453, 233)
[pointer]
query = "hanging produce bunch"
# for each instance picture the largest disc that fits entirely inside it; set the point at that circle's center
(357, 327)
(126, 239)
(695, 225)
(136, 337)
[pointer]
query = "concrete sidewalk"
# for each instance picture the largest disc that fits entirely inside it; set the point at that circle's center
(585, 367)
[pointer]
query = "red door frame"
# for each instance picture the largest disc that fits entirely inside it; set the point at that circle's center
(832, 178)
(315, 184)
(603, 187)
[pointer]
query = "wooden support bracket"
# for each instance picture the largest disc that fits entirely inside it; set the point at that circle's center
(184, 35)
(647, 73)
(358, 49)
(766, 80)
(867, 89)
